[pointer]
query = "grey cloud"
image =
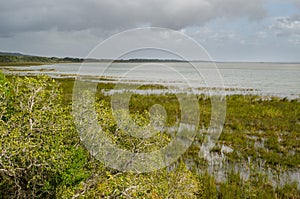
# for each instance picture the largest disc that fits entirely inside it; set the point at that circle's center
(287, 26)
(114, 15)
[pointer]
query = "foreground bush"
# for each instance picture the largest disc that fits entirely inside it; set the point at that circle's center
(38, 151)
(41, 156)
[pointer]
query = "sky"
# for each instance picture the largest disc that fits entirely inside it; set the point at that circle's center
(229, 30)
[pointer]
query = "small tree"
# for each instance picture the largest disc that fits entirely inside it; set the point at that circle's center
(37, 138)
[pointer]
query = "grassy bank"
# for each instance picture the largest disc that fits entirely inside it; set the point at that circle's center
(23, 63)
(3, 64)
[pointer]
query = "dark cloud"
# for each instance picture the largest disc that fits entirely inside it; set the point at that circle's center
(114, 15)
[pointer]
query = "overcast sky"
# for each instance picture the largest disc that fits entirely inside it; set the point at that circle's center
(230, 30)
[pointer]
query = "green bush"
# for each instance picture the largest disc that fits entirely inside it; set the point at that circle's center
(38, 151)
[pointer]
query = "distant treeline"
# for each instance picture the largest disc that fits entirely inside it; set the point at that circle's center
(19, 58)
(149, 60)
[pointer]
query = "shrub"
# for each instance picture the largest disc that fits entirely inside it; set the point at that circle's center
(37, 139)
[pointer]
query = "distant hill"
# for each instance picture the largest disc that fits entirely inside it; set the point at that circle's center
(10, 58)
(13, 54)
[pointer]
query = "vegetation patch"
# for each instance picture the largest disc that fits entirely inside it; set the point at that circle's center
(42, 156)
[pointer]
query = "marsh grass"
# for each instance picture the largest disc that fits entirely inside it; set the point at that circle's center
(276, 121)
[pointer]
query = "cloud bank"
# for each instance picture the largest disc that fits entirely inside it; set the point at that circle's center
(114, 15)
(257, 30)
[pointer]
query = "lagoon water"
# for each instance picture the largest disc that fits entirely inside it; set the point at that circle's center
(270, 79)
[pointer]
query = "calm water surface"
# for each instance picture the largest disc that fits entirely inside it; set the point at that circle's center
(274, 79)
